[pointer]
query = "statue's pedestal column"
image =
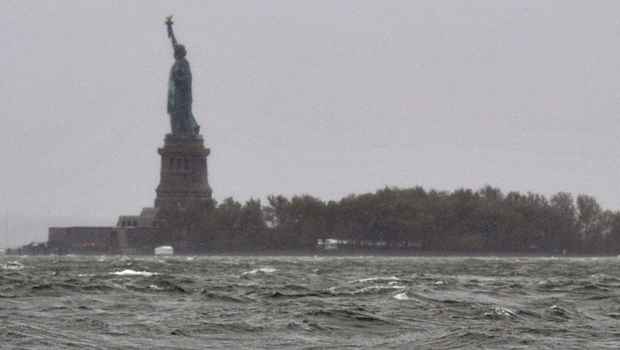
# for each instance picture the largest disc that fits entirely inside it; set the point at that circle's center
(184, 179)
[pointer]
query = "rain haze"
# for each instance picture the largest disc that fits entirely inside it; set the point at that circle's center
(327, 98)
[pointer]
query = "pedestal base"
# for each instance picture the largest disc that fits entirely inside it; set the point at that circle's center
(184, 177)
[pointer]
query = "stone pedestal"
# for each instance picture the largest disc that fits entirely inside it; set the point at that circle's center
(184, 181)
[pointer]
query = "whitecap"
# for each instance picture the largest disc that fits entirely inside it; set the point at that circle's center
(378, 287)
(558, 311)
(500, 311)
(152, 286)
(504, 311)
(401, 296)
(129, 272)
(13, 265)
(262, 269)
(373, 279)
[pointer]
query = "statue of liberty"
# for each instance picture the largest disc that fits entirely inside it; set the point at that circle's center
(180, 90)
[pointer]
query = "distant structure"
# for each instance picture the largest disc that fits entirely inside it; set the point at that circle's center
(184, 180)
(184, 184)
(183, 187)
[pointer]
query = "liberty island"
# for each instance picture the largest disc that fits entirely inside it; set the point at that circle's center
(183, 191)
(394, 221)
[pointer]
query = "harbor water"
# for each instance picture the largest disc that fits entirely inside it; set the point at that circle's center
(227, 302)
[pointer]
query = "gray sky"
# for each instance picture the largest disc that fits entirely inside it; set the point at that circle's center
(321, 97)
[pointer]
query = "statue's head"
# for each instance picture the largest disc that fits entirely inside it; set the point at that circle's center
(179, 51)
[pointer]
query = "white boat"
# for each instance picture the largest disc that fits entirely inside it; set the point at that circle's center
(164, 250)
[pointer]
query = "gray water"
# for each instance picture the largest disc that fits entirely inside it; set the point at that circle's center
(309, 302)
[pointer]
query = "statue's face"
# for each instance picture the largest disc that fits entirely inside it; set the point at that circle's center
(179, 52)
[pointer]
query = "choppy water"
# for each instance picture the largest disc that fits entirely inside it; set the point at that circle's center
(306, 302)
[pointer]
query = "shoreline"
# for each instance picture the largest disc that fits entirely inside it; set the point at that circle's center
(361, 254)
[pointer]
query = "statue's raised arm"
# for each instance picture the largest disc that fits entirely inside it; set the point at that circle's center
(169, 24)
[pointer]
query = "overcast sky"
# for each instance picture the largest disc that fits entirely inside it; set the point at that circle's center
(320, 97)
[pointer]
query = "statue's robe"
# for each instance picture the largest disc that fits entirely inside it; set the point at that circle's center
(180, 99)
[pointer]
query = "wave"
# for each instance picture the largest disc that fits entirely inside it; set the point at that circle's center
(556, 312)
(501, 312)
(354, 315)
(221, 297)
(129, 272)
(378, 289)
(167, 286)
(459, 338)
(12, 265)
(377, 279)
(278, 294)
(401, 296)
(260, 270)
(53, 289)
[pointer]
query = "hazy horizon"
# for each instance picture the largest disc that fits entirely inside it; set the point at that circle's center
(324, 98)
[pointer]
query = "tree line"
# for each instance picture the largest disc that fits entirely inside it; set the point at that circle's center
(408, 220)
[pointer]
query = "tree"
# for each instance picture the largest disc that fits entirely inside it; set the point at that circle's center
(564, 221)
(590, 220)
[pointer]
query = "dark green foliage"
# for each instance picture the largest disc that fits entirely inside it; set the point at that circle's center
(413, 219)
